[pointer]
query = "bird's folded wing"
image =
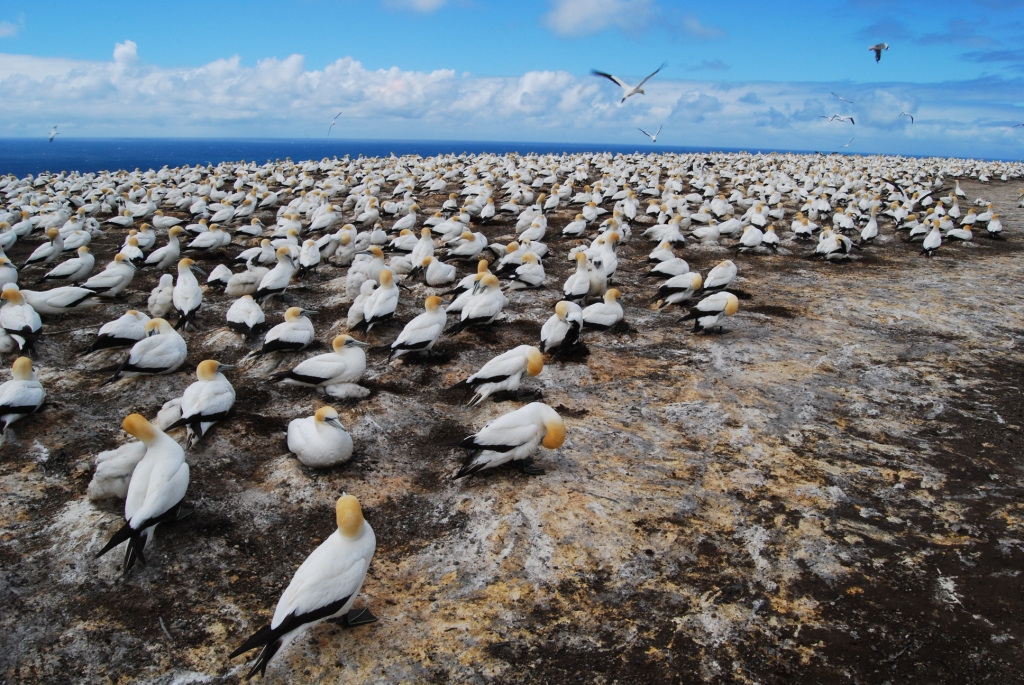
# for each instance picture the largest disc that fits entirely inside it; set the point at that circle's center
(321, 580)
(168, 482)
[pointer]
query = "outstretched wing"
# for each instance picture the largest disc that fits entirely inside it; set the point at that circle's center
(644, 132)
(641, 85)
(659, 131)
(614, 79)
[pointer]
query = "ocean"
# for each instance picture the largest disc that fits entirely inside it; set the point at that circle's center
(23, 156)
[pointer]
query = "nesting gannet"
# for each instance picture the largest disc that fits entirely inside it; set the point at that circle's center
(219, 277)
(187, 295)
(470, 282)
(245, 282)
(124, 331)
(877, 49)
(720, 277)
(356, 309)
(163, 351)
(320, 441)
(114, 470)
(381, 304)
(18, 319)
(712, 310)
(529, 274)
(994, 228)
(577, 285)
(20, 396)
(604, 315)
(627, 90)
(679, 289)
(514, 437)
(669, 268)
(336, 373)
(156, 490)
(420, 334)
(562, 331)
(436, 273)
(932, 241)
(278, 278)
(293, 334)
(74, 269)
(504, 372)
(481, 308)
(325, 586)
(245, 316)
(112, 281)
(47, 252)
(59, 301)
(205, 402)
(161, 300)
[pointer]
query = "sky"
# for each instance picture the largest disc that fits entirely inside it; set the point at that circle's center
(736, 75)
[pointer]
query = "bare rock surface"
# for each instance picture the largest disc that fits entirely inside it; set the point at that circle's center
(829, 491)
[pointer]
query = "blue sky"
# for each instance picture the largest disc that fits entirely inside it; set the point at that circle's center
(737, 74)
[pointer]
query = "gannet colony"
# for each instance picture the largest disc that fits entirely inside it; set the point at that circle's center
(521, 418)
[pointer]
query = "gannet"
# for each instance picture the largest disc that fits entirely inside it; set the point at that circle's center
(720, 277)
(245, 316)
(114, 470)
(278, 278)
(60, 301)
(161, 221)
(654, 138)
(877, 49)
(74, 269)
(8, 272)
(627, 90)
(293, 334)
(995, 228)
(169, 253)
(335, 373)
(18, 319)
(20, 396)
(420, 334)
(561, 332)
(481, 308)
(112, 281)
(514, 437)
(219, 277)
(124, 331)
(162, 352)
(577, 285)
(669, 268)
(245, 282)
(205, 402)
(504, 372)
(156, 490)
(712, 310)
(161, 300)
(381, 304)
(679, 289)
(187, 295)
(326, 585)
(932, 241)
(320, 441)
(355, 310)
(436, 273)
(604, 315)
(529, 274)
(47, 252)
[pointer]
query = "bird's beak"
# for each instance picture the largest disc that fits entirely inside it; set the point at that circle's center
(199, 270)
(359, 343)
(307, 312)
(336, 423)
(225, 366)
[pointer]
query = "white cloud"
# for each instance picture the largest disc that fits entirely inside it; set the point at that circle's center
(283, 98)
(416, 5)
(693, 26)
(8, 30)
(583, 17)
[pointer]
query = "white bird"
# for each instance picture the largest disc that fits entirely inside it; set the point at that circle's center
(245, 282)
(356, 309)
(156, 490)
(562, 330)
(335, 373)
(112, 281)
(578, 284)
(529, 274)
(514, 437)
(293, 334)
(59, 301)
(20, 396)
(504, 372)
(420, 334)
(326, 585)
(205, 402)
(245, 316)
(161, 300)
(381, 304)
(187, 295)
(907, 114)
(720, 277)
(161, 352)
(654, 138)
(219, 277)
(320, 441)
(161, 221)
(169, 253)
(877, 49)
(332, 124)
(72, 270)
(123, 331)
(604, 315)
(436, 273)
(278, 278)
(18, 318)
(627, 90)
(712, 310)
(47, 252)
(114, 470)
(932, 241)
(8, 272)
(53, 133)
(481, 308)
(679, 289)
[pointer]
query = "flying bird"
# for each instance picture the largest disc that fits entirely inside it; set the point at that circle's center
(908, 114)
(53, 133)
(877, 49)
(842, 98)
(654, 138)
(848, 144)
(1016, 125)
(332, 124)
(839, 117)
(627, 90)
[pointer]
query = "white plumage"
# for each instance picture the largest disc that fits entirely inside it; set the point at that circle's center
(505, 372)
(514, 437)
(160, 353)
(20, 396)
(320, 441)
(205, 402)
(420, 334)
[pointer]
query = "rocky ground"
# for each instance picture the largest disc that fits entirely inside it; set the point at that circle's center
(830, 491)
